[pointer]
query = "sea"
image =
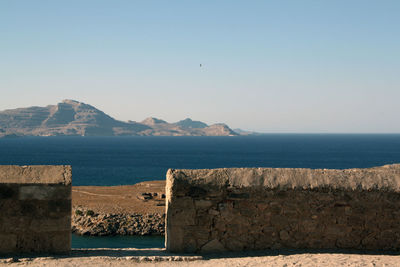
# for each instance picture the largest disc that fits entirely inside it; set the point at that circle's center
(108, 161)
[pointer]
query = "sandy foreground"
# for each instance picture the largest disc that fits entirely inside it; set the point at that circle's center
(159, 257)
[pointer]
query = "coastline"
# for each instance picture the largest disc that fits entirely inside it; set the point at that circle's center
(107, 224)
(119, 210)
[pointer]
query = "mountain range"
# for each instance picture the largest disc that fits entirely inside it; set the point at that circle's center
(71, 117)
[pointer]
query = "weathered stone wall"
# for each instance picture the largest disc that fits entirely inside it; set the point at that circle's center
(35, 209)
(262, 208)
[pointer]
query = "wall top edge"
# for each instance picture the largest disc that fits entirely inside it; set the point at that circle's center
(385, 178)
(36, 174)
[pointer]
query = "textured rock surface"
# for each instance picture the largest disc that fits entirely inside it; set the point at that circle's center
(38, 174)
(261, 208)
(35, 209)
(86, 222)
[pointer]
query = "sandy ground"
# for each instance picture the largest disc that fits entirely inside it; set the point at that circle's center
(126, 199)
(159, 257)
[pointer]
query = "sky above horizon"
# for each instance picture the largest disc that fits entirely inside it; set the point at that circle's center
(268, 66)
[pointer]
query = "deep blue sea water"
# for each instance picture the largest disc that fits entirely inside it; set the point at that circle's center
(128, 160)
(117, 241)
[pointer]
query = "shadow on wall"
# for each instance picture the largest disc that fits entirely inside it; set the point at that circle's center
(250, 209)
(35, 208)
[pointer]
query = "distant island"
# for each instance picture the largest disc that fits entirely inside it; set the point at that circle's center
(73, 118)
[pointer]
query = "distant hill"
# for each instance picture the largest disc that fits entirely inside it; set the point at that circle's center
(66, 118)
(71, 117)
(152, 121)
(243, 132)
(188, 123)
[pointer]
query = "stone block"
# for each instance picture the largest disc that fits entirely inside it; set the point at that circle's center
(370, 242)
(41, 192)
(8, 207)
(203, 204)
(50, 224)
(284, 235)
(263, 243)
(182, 217)
(248, 212)
(61, 241)
(35, 174)
(190, 245)
(8, 191)
(14, 224)
(335, 231)
(355, 220)
(262, 206)
(279, 222)
(238, 195)
(348, 241)
(233, 244)
(213, 212)
(8, 243)
(275, 207)
(61, 206)
(32, 208)
(203, 219)
(35, 209)
(182, 203)
(174, 238)
(220, 225)
(197, 192)
(213, 246)
(54, 242)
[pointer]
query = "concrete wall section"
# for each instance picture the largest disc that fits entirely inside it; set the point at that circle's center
(262, 208)
(35, 209)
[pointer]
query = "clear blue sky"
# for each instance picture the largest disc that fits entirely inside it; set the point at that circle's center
(269, 66)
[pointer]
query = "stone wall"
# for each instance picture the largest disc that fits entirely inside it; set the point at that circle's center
(263, 208)
(35, 209)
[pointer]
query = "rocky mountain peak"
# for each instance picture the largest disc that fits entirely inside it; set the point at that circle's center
(220, 129)
(71, 117)
(152, 121)
(71, 102)
(189, 123)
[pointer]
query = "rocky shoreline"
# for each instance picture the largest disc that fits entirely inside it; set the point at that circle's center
(88, 222)
(119, 210)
